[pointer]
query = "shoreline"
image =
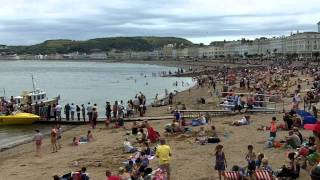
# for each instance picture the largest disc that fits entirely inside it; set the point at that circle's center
(19, 162)
(70, 127)
(30, 140)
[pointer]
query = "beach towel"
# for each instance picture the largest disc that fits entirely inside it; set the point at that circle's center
(263, 175)
(231, 175)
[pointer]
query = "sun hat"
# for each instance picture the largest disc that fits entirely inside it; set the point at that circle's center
(313, 127)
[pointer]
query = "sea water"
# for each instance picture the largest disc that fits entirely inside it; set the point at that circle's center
(82, 82)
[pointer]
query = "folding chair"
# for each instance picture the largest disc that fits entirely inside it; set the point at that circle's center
(263, 175)
(231, 175)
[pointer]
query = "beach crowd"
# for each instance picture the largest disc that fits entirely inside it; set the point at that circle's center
(244, 90)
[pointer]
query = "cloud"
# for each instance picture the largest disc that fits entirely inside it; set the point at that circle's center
(33, 21)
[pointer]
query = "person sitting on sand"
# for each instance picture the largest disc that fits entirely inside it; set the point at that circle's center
(243, 121)
(202, 138)
(146, 149)
(89, 136)
(124, 175)
(129, 167)
(292, 170)
(134, 128)
(296, 131)
(153, 135)
(214, 136)
(127, 147)
(142, 136)
(311, 144)
(293, 140)
(75, 141)
(138, 169)
(110, 176)
(259, 160)
(265, 166)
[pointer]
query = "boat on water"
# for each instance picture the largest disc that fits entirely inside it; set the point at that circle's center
(36, 96)
(18, 119)
(13, 111)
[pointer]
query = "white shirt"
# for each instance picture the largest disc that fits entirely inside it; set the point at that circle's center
(58, 108)
(89, 108)
(135, 102)
(127, 146)
(72, 108)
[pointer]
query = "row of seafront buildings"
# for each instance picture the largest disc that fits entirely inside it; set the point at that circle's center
(300, 44)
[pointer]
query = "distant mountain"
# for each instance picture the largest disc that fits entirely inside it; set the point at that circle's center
(99, 44)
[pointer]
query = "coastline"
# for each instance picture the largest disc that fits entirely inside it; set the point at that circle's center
(70, 127)
(20, 161)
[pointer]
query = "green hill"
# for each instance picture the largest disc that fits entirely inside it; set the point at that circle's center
(103, 44)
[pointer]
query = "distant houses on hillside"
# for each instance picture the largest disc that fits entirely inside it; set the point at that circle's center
(298, 45)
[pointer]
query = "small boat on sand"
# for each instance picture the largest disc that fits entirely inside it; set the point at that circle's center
(18, 119)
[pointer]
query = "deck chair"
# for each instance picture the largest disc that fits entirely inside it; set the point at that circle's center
(232, 175)
(263, 175)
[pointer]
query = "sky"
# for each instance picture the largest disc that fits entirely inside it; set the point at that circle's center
(25, 22)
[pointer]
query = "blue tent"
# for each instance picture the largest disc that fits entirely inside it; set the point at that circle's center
(303, 113)
(308, 118)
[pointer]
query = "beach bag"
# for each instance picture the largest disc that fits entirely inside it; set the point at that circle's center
(213, 140)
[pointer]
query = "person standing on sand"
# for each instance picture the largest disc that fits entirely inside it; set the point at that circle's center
(83, 110)
(53, 136)
(164, 154)
(94, 117)
(108, 113)
(221, 162)
(115, 109)
(273, 128)
(72, 110)
(38, 140)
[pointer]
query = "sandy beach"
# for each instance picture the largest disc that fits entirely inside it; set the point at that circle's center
(190, 161)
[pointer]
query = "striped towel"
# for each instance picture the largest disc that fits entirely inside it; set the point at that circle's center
(263, 175)
(231, 175)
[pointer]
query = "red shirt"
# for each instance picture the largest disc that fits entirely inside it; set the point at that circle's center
(273, 127)
(113, 178)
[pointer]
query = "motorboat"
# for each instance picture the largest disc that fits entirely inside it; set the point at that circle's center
(18, 119)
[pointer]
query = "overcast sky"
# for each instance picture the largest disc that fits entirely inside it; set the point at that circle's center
(33, 21)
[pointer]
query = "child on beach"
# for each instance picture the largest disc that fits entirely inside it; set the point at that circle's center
(221, 162)
(273, 128)
(251, 159)
(53, 136)
(38, 139)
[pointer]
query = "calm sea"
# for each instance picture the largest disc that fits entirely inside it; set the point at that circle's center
(82, 82)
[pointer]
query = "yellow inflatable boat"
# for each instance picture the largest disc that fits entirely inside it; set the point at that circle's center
(18, 119)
